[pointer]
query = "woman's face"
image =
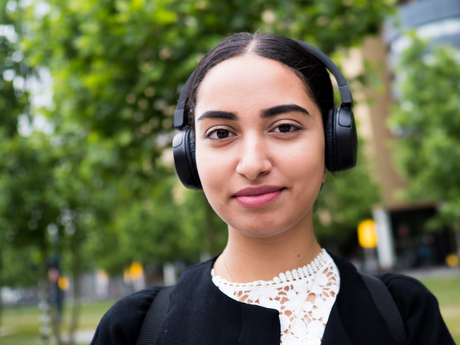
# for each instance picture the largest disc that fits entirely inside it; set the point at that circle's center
(259, 146)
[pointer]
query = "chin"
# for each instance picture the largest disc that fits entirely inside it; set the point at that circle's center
(260, 227)
(259, 233)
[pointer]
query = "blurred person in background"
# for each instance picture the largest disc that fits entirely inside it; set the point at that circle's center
(259, 135)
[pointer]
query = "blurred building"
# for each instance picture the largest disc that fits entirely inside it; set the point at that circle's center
(403, 242)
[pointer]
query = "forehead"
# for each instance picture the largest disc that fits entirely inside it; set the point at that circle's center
(248, 81)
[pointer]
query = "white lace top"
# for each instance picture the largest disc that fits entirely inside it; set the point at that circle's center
(304, 298)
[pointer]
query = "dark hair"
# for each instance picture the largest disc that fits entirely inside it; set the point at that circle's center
(279, 48)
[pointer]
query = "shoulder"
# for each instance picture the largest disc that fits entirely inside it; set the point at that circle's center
(419, 309)
(400, 283)
(407, 291)
(121, 324)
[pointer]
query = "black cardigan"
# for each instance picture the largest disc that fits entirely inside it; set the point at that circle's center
(200, 314)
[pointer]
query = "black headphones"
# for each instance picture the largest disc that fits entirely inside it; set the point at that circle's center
(339, 130)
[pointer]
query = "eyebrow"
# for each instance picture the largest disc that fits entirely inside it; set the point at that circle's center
(213, 114)
(279, 109)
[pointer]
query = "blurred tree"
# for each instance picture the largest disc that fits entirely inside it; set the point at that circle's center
(427, 120)
(13, 105)
(40, 204)
(346, 199)
(118, 66)
(26, 204)
(21, 266)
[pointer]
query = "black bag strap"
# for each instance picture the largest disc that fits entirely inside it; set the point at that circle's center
(154, 317)
(387, 307)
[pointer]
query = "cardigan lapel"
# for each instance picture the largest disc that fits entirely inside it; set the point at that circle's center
(259, 325)
(335, 334)
(201, 314)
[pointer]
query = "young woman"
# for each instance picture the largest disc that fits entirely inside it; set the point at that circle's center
(257, 118)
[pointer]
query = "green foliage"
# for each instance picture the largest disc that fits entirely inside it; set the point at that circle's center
(346, 199)
(12, 101)
(427, 151)
(23, 211)
(21, 266)
(209, 230)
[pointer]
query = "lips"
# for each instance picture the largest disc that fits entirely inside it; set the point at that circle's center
(258, 196)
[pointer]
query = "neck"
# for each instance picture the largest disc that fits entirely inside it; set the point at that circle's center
(262, 258)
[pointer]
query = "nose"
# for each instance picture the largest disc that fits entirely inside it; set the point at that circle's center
(254, 158)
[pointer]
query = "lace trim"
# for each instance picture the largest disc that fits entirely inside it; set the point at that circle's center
(283, 279)
(304, 302)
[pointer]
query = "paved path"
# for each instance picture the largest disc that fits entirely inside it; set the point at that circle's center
(432, 272)
(84, 336)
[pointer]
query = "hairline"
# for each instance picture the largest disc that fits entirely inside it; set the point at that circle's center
(297, 73)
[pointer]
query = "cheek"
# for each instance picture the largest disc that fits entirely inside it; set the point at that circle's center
(213, 169)
(215, 173)
(304, 169)
(203, 165)
(305, 159)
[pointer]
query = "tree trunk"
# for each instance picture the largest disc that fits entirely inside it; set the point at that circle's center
(50, 322)
(76, 274)
(44, 306)
(56, 325)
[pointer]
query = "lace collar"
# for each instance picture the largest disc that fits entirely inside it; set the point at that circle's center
(283, 279)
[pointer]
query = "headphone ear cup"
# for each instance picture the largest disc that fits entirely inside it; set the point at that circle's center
(184, 159)
(346, 139)
(341, 140)
(329, 136)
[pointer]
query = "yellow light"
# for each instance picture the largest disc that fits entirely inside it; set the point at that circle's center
(63, 283)
(136, 270)
(452, 260)
(366, 234)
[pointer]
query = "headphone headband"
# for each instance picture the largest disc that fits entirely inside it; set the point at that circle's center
(344, 90)
(179, 119)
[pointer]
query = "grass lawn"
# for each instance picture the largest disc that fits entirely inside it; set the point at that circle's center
(24, 322)
(447, 291)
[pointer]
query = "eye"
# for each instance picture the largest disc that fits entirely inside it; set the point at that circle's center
(286, 128)
(218, 134)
